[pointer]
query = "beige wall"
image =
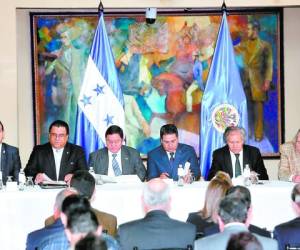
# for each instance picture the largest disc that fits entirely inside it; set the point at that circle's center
(15, 61)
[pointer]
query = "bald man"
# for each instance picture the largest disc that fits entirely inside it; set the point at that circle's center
(156, 229)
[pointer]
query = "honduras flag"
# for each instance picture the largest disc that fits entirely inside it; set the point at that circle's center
(224, 102)
(100, 102)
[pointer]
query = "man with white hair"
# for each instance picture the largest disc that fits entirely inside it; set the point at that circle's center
(235, 155)
(156, 229)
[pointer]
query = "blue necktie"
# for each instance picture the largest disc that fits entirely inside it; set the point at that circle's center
(115, 165)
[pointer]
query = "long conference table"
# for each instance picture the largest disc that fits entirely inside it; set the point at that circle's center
(24, 211)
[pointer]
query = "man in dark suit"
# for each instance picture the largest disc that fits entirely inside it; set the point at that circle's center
(288, 232)
(156, 230)
(233, 157)
(57, 159)
(35, 238)
(10, 163)
(164, 160)
(116, 159)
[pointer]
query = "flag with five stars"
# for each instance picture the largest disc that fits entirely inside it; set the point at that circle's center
(100, 102)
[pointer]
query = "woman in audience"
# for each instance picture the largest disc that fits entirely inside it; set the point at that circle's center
(215, 191)
(289, 165)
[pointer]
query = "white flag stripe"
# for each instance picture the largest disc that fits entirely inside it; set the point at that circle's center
(100, 105)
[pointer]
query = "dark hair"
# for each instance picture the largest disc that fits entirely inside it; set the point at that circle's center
(73, 203)
(243, 241)
(114, 129)
(84, 183)
(168, 129)
(233, 209)
(296, 194)
(240, 192)
(82, 221)
(91, 242)
(59, 123)
(1, 124)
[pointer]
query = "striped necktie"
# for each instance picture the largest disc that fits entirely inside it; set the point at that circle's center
(115, 165)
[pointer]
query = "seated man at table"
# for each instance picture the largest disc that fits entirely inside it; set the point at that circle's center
(116, 159)
(288, 232)
(10, 163)
(78, 220)
(233, 157)
(57, 159)
(36, 237)
(164, 160)
(156, 230)
(85, 184)
(234, 217)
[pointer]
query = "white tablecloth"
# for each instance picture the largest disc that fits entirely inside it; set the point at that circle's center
(24, 211)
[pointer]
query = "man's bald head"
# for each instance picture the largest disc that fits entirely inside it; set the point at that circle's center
(156, 195)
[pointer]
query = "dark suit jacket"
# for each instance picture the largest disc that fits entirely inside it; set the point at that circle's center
(158, 162)
(35, 238)
(106, 220)
(156, 230)
(251, 155)
(42, 161)
(288, 233)
(130, 160)
(10, 162)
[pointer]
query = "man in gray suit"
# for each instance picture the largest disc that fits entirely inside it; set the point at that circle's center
(117, 159)
(156, 230)
(234, 217)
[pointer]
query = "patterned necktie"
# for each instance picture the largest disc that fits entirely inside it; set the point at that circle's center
(238, 171)
(171, 157)
(115, 165)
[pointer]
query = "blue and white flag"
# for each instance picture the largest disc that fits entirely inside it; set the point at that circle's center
(100, 102)
(224, 102)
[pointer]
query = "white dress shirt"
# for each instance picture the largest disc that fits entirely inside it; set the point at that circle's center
(57, 158)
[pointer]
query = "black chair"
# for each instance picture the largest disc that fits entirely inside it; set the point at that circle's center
(289, 247)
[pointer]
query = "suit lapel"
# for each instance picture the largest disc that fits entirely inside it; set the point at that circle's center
(124, 160)
(51, 162)
(3, 158)
(166, 162)
(105, 161)
(228, 163)
(246, 157)
(64, 160)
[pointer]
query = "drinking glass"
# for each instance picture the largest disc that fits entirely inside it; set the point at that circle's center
(29, 181)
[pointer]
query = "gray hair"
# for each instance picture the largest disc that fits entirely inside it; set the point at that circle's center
(82, 221)
(62, 195)
(231, 129)
(154, 198)
(233, 209)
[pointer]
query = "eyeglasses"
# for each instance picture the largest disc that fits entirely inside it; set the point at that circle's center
(59, 136)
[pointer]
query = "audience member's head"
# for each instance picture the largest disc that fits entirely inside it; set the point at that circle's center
(156, 196)
(240, 192)
(91, 242)
(232, 210)
(296, 198)
(84, 183)
(235, 138)
(60, 198)
(78, 218)
(215, 191)
(224, 177)
(243, 241)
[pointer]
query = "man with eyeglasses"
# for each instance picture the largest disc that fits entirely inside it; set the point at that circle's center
(165, 160)
(58, 159)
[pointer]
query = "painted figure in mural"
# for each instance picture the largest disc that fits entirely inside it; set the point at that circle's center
(257, 76)
(68, 67)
